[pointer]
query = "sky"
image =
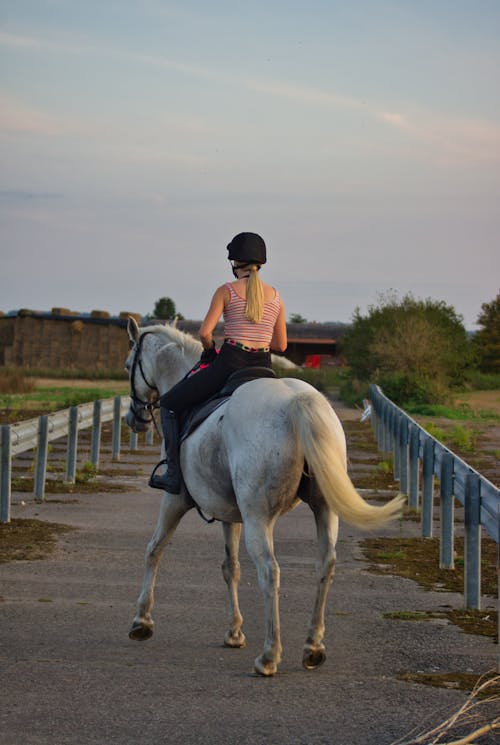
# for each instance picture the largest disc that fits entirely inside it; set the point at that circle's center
(360, 138)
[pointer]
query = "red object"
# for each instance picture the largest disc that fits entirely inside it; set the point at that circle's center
(313, 361)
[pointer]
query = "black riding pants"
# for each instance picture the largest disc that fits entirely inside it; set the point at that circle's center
(208, 381)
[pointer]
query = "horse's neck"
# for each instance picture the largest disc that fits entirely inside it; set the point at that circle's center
(181, 361)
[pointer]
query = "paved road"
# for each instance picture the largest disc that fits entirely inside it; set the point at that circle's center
(69, 675)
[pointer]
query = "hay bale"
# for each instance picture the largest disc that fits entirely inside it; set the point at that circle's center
(100, 314)
(61, 312)
(124, 314)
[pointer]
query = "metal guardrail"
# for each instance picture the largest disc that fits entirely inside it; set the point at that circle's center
(420, 457)
(35, 434)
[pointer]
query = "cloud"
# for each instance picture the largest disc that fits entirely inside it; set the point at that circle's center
(17, 118)
(19, 195)
(446, 139)
(305, 95)
(396, 120)
(453, 140)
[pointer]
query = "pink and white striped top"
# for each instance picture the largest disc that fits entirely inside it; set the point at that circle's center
(239, 328)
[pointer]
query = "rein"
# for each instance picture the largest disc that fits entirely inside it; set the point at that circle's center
(136, 400)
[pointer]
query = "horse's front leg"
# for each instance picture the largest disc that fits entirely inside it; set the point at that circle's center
(259, 543)
(172, 509)
(327, 530)
(234, 636)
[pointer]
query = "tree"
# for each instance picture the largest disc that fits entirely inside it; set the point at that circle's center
(297, 318)
(415, 349)
(165, 310)
(487, 339)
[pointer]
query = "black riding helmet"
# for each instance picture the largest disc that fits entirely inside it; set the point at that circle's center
(247, 248)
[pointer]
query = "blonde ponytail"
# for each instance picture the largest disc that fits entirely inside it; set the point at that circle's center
(254, 309)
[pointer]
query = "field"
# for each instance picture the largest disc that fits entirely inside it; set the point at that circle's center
(470, 425)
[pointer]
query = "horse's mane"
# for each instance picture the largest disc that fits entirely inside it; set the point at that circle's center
(174, 335)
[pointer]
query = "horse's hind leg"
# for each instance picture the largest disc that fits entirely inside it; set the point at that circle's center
(172, 509)
(259, 543)
(234, 636)
(327, 529)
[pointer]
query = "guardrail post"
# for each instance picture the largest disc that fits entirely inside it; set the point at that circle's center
(149, 436)
(403, 455)
(446, 543)
(41, 457)
(133, 440)
(414, 437)
(117, 427)
(391, 428)
(472, 542)
(72, 445)
(427, 487)
(383, 419)
(95, 443)
(5, 474)
(498, 578)
(395, 447)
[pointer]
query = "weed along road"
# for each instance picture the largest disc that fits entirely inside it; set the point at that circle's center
(70, 675)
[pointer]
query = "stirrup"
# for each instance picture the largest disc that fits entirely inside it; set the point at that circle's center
(165, 482)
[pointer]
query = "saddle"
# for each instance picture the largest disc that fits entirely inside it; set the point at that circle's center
(192, 419)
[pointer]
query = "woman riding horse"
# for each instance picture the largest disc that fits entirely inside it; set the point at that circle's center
(254, 323)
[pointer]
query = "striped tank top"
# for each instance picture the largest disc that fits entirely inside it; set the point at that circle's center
(237, 327)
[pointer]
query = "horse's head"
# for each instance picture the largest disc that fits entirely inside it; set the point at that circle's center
(143, 387)
(159, 357)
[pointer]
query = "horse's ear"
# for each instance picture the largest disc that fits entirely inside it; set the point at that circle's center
(133, 329)
(174, 322)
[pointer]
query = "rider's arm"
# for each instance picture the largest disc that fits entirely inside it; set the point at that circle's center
(212, 318)
(279, 340)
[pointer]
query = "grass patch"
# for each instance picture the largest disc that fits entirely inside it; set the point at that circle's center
(56, 486)
(418, 559)
(57, 397)
(64, 373)
(458, 437)
(29, 540)
(481, 622)
(13, 382)
(463, 411)
(88, 472)
(325, 379)
(454, 680)
(409, 615)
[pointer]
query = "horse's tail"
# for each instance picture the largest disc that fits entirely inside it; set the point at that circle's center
(321, 437)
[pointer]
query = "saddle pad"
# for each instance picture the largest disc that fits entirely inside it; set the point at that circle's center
(196, 416)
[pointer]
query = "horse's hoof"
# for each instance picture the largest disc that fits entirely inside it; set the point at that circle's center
(264, 667)
(140, 632)
(235, 640)
(313, 657)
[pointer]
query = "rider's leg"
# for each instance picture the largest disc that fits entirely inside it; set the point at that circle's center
(186, 394)
(170, 480)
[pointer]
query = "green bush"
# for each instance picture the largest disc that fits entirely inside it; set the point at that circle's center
(481, 381)
(406, 389)
(414, 349)
(487, 340)
(353, 391)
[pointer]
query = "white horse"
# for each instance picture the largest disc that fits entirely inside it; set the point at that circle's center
(274, 442)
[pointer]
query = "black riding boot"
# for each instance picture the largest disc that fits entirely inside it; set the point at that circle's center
(170, 480)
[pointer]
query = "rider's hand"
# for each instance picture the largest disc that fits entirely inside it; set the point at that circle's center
(208, 355)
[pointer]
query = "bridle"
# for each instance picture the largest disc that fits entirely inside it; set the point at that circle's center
(136, 401)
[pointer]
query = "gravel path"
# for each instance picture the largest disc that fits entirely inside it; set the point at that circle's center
(69, 675)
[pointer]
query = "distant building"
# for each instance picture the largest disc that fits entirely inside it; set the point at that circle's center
(97, 341)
